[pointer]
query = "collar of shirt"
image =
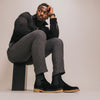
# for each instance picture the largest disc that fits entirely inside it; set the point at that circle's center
(38, 22)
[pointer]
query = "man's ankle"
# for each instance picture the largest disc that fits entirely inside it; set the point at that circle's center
(56, 79)
(40, 76)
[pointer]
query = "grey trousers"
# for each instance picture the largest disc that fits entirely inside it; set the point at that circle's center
(35, 47)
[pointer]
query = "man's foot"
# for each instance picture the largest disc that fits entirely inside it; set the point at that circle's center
(67, 88)
(57, 81)
(45, 87)
(42, 85)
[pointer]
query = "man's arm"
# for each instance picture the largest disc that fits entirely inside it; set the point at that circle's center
(54, 29)
(23, 24)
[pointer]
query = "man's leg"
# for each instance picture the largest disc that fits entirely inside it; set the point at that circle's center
(33, 44)
(55, 46)
(50, 44)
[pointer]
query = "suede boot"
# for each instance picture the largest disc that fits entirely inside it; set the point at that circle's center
(42, 85)
(58, 82)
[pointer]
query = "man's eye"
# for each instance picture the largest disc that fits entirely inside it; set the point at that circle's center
(45, 12)
(39, 10)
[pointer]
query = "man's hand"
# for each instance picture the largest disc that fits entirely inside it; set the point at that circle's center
(50, 12)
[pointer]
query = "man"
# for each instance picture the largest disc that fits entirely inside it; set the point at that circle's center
(32, 39)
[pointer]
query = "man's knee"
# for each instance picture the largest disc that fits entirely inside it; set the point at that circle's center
(39, 34)
(57, 41)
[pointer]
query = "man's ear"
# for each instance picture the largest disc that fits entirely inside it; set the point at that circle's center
(36, 11)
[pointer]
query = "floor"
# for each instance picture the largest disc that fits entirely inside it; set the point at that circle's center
(30, 95)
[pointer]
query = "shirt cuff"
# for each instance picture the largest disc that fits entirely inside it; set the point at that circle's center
(53, 20)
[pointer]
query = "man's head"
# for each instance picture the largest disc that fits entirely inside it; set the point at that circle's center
(42, 12)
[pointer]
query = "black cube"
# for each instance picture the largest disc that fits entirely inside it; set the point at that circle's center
(18, 82)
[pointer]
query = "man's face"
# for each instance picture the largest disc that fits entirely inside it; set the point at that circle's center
(42, 13)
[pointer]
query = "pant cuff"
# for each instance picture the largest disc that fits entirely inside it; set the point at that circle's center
(40, 71)
(61, 72)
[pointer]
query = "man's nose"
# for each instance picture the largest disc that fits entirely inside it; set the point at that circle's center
(41, 13)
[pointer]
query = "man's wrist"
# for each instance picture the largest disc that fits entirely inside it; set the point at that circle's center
(52, 15)
(53, 20)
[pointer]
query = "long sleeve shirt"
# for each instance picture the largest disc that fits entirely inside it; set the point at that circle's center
(26, 23)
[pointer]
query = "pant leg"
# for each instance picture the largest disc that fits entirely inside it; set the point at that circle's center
(33, 44)
(55, 46)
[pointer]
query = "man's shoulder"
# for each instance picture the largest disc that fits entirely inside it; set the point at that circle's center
(25, 14)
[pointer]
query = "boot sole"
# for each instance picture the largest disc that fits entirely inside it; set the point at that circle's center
(71, 91)
(39, 90)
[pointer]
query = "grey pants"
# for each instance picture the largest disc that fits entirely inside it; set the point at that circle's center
(35, 47)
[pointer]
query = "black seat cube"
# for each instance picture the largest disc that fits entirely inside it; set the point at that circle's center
(19, 69)
(18, 81)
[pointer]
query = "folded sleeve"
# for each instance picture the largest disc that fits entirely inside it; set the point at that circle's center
(54, 29)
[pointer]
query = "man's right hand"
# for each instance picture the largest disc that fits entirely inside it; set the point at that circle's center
(50, 12)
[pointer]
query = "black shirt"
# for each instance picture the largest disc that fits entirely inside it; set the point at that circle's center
(26, 23)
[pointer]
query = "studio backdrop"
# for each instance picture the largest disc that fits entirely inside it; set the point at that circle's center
(79, 25)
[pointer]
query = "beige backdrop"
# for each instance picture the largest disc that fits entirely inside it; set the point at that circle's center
(79, 23)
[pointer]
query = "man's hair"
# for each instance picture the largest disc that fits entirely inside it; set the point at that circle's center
(43, 4)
